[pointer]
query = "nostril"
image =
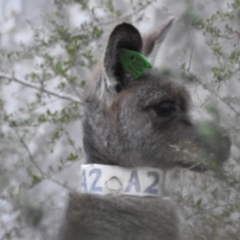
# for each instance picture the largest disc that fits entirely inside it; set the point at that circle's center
(226, 147)
(226, 138)
(216, 141)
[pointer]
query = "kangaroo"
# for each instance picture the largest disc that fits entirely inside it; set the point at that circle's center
(138, 123)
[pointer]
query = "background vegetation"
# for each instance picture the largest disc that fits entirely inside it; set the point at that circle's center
(48, 50)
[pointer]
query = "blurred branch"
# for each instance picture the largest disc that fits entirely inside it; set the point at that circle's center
(30, 154)
(64, 185)
(40, 89)
(214, 93)
(126, 16)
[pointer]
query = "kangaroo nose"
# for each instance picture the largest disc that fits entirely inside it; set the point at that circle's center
(216, 140)
(226, 143)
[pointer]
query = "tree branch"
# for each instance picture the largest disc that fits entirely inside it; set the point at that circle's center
(29, 154)
(212, 92)
(126, 16)
(33, 86)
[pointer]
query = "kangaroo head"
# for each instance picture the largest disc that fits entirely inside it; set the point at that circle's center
(144, 122)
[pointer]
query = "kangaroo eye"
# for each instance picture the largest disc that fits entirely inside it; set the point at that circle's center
(165, 109)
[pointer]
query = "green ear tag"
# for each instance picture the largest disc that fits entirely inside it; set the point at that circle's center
(134, 62)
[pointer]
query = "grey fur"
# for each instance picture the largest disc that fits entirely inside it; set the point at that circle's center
(134, 123)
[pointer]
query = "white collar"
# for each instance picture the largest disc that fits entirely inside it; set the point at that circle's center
(115, 180)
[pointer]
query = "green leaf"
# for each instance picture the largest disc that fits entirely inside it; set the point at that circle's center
(35, 180)
(42, 118)
(72, 157)
(110, 6)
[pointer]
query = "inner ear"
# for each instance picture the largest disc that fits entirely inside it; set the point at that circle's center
(123, 36)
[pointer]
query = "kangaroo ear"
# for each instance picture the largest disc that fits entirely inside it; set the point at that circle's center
(152, 42)
(123, 36)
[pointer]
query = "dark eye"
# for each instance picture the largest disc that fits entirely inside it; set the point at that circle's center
(165, 109)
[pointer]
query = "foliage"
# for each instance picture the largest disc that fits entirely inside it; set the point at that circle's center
(41, 108)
